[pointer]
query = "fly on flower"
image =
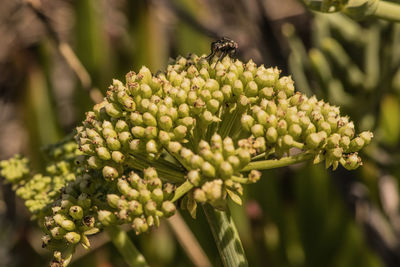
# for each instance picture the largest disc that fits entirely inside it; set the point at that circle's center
(222, 47)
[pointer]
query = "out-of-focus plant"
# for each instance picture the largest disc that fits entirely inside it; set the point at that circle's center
(356, 65)
(195, 133)
(358, 9)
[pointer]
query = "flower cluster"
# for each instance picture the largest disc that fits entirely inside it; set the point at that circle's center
(199, 126)
(139, 201)
(41, 190)
(211, 119)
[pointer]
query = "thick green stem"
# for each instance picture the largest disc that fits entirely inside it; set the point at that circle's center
(388, 11)
(129, 252)
(226, 237)
(276, 163)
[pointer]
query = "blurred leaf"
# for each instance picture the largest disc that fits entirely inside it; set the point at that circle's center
(390, 120)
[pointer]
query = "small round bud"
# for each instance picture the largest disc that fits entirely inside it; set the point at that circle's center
(72, 237)
(106, 217)
(110, 173)
(76, 212)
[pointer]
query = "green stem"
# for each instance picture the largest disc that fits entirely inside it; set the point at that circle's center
(388, 11)
(276, 163)
(226, 237)
(129, 252)
(240, 179)
(182, 190)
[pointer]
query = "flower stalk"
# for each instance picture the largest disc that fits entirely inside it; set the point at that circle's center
(226, 236)
(128, 250)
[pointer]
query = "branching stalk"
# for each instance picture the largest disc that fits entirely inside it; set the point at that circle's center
(182, 190)
(276, 163)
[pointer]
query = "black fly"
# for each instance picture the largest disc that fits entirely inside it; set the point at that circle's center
(222, 47)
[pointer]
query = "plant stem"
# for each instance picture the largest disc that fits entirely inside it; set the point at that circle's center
(388, 11)
(226, 237)
(125, 246)
(182, 190)
(276, 163)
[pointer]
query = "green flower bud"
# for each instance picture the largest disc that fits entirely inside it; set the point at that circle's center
(246, 77)
(366, 136)
(94, 163)
(247, 122)
(136, 118)
(72, 237)
(168, 208)
(183, 110)
(267, 93)
(76, 212)
(121, 126)
(194, 177)
(145, 91)
(113, 110)
(199, 195)
(313, 140)
(324, 126)
(106, 217)
(345, 142)
(103, 153)
(126, 101)
(257, 130)
(237, 88)
(186, 154)
(113, 143)
(109, 173)
(135, 208)
(112, 200)
(251, 89)
(168, 190)
(150, 132)
(285, 84)
(149, 119)
(88, 149)
(225, 170)
(150, 207)
(196, 161)
(295, 130)
(136, 145)
(123, 187)
(57, 232)
(207, 169)
(227, 91)
(282, 127)
(145, 195)
(352, 162)
(180, 132)
(335, 153)
(152, 147)
(356, 144)
(138, 131)
(157, 195)
(125, 138)
(174, 147)
(140, 225)
(333, 140)
(254, 176)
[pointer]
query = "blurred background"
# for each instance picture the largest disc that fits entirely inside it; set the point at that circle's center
(57, 57)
